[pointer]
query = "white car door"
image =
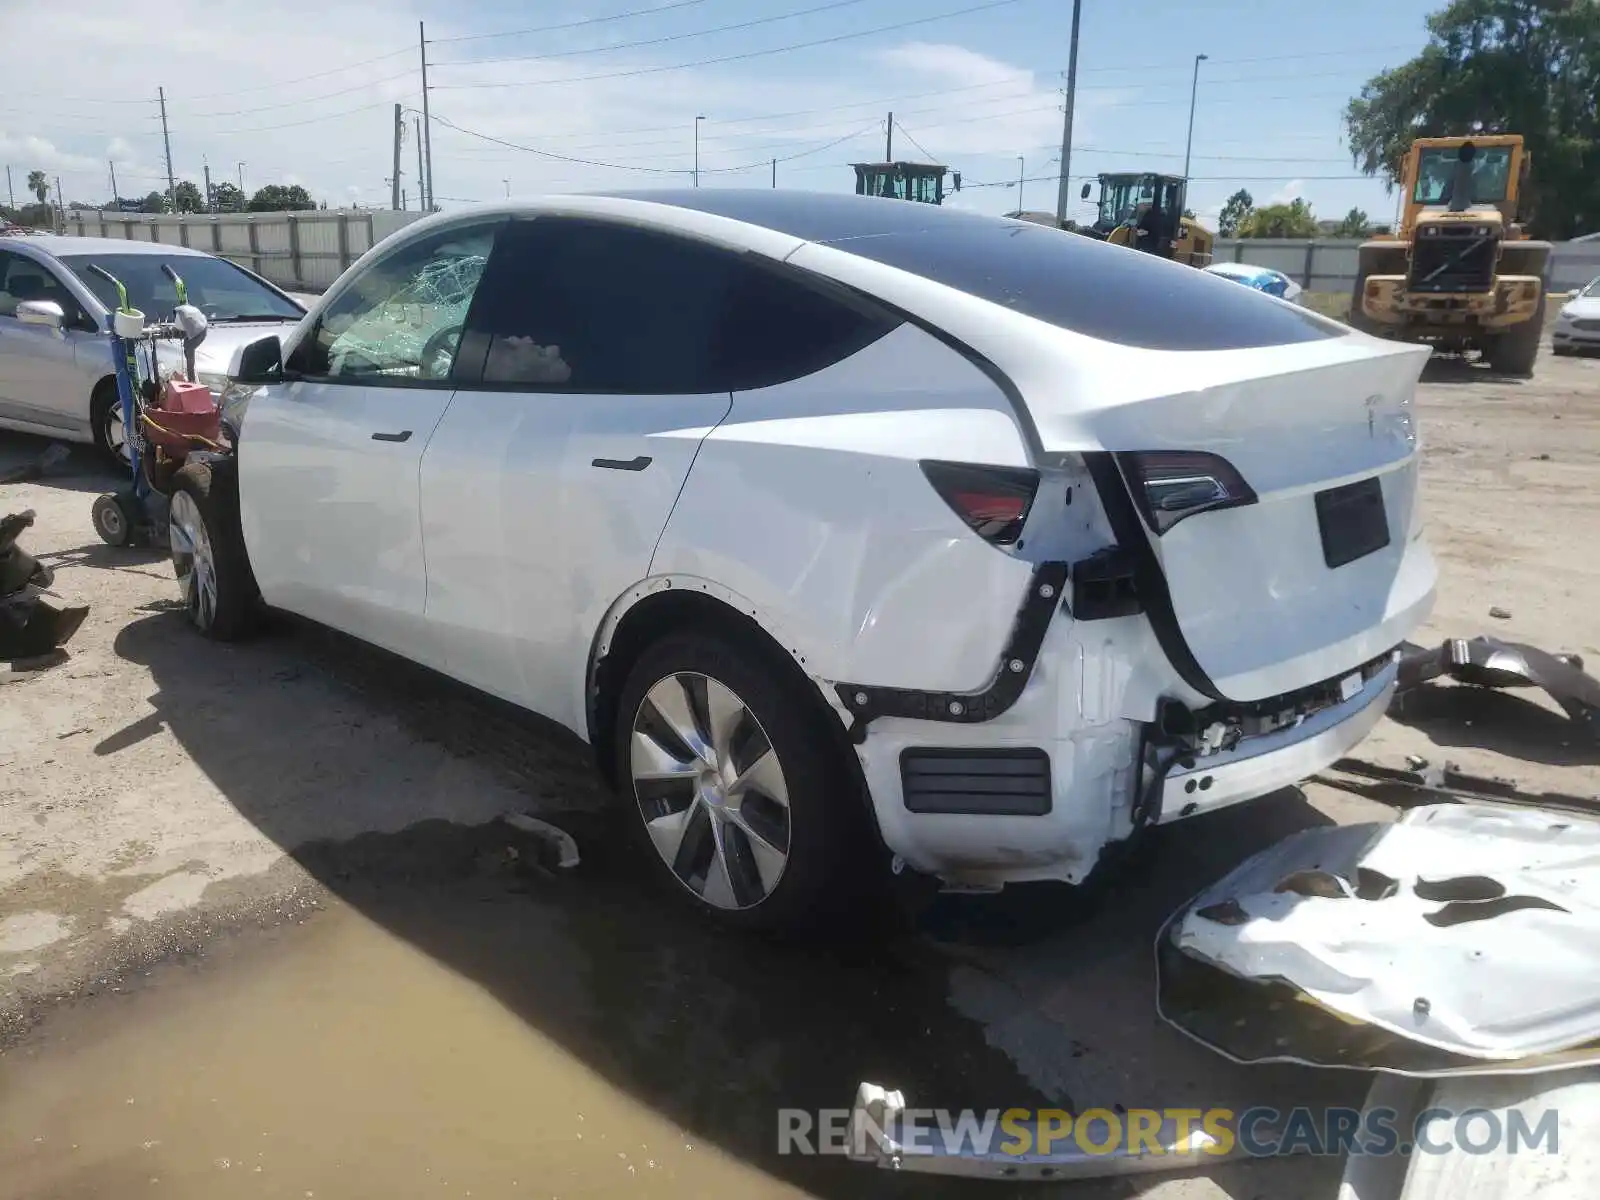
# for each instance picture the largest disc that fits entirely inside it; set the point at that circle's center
(329, 458)
(43, 381)
(549, 481)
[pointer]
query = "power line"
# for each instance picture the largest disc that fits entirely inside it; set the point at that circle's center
(262, 87)
(749, 54)
(360, 87)
(622, 16)
(550, 154)
(914, 142)
(656, 41)
(219, 133)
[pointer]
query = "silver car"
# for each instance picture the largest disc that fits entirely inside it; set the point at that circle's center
(1578, 323)
(56, 372)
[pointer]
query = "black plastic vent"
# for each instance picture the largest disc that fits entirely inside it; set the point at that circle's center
(1012, 783)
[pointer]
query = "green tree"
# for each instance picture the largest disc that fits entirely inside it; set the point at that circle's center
(276, 197)
(188, 197)
(226, 197)
(1499, 66)
(38, 185)
(1234, 212)
(1354, 225)
(1292, 220)
(155, 202)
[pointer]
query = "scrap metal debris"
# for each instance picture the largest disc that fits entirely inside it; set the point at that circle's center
(30, 626)
(878, 1133)
(1461, 939)
(557, 848)
(1491, 663)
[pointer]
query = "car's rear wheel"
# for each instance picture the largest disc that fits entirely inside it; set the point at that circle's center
(737, 793)
(208, 555)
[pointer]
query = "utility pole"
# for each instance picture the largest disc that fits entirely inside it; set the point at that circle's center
(399, 132)
(211, 196)
(1021, 175)
(61, 205)
(1066, 124)
(116, 196)
(422, 178)
(697, 121)
(774, 173)
(1194, 91)
(11, 196)
(888, 139)
(507, 182)
(241, 178)
(428, 201)
(166, 142)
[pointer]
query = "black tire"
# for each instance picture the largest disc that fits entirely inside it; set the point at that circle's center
(102, 405)
(826, 842)
(1515, 352)
(230, 608)
(117, 519)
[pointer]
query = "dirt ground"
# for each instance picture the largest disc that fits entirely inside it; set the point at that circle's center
(258, 914)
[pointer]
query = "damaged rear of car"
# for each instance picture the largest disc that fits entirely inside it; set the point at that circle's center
(1174, 578)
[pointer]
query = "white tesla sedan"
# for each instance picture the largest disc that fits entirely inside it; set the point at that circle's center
(844, 529)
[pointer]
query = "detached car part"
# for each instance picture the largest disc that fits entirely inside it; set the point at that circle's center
(1491, 663)
(877, 1119)
(30, 625)
(1460, 938)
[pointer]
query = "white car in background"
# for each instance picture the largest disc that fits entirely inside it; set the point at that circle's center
(842, 528)
(1577, 326)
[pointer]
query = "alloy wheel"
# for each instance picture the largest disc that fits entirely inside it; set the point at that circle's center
(711, 790)
(193, 560)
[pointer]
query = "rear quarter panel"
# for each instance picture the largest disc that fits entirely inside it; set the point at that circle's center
(808, 505)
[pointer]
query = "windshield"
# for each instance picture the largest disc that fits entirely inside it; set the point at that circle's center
(1120, 199)
(216, 287)
(1592, 292)
(1436, 169)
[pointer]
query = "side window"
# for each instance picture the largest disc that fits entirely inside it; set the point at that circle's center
(401, 318)
(23, 279)
(777, 328)
(575, 305)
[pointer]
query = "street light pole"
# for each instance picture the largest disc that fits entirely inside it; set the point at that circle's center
(697, 121)
(1021, 173)
(1066, 125)
(1194, 91)
(507, 182)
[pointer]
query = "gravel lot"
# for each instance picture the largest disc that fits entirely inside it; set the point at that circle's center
(172, 812)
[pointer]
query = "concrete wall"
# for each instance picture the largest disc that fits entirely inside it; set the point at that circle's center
(1330, 266)
(300, 251)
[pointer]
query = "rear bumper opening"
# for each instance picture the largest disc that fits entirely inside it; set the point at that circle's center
(1261, 764)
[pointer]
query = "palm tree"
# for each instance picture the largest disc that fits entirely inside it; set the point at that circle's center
(37, 185)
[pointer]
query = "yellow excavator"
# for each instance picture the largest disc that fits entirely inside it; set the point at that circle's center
(1145, 211)
(1459, 273)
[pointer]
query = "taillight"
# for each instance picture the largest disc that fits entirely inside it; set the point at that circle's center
(993, 501)
(1169, 485)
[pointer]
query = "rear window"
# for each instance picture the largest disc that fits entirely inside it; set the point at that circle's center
(1067, 279)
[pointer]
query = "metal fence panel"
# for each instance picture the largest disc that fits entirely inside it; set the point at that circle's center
(305, 251)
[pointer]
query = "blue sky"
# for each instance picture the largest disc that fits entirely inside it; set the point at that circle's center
(303, 92)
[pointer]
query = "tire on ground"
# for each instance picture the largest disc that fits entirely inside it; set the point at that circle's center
(829, 843)
(101, 403)
(214, 488)
(1515, 351)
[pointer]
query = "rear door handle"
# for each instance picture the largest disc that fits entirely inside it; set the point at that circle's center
(403, 436)
(623, 464)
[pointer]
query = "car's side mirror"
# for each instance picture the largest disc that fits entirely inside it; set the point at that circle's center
(1084, 195)
(259, 362)
(42, 312)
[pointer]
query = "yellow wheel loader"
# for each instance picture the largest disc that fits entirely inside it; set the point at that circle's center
(1145, 211)
(1459, 273)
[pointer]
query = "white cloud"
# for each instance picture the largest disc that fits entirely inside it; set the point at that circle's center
(1293, 190)
(223, 63)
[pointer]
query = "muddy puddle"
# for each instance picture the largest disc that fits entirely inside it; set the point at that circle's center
(453, 1026)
